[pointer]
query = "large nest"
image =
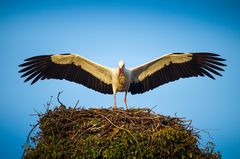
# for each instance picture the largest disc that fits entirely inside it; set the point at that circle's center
(106, 133)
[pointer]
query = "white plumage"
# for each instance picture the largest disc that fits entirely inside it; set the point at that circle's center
(136, 80)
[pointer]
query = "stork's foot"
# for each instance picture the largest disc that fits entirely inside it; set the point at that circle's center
(125, 101)
(115, 106)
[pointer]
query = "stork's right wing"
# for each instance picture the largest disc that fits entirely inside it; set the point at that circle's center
(70, 67)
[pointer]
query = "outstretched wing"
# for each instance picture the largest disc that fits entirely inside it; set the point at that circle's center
(70, 67)
(173, 66)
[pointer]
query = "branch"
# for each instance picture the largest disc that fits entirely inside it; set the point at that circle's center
(58, 98)
(28, 137)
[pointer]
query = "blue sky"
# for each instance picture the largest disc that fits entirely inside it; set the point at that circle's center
(136, 31)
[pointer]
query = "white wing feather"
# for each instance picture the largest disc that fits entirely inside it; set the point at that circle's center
(147, 69)
(99, 71)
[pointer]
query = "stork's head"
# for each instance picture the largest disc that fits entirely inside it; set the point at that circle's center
(121, 64)
(121, 67)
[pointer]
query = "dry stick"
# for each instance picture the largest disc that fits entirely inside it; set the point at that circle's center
(58, 97)
(48, 104)
(76, 104)
(124, 130)
(204, 130)
(190, 122)
(28, 137)
(151, 110)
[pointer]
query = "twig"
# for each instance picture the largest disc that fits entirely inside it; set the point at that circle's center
(48, 104)
(206, 131)
(190, 122)
(152, 108)
(38, 113)
(28, 137)
(58, 97)
(76, 104)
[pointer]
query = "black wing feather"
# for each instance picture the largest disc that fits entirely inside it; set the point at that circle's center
(42, 67)
(201, 64)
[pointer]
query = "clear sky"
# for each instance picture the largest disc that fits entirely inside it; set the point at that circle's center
(136, 31)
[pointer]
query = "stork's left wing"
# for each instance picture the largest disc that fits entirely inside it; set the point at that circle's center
(173, 66)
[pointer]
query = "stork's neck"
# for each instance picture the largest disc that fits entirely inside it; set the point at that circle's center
(121, 76)
(120, 72)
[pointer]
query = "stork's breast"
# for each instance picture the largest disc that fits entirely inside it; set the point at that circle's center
(121, 82)
(122, 79)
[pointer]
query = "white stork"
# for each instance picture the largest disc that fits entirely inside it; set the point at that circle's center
(136, 80)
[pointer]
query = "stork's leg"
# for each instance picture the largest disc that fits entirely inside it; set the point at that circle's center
(115, 105)
(125, 100)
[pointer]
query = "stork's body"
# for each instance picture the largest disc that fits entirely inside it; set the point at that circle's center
(140, 79)
(121, 79)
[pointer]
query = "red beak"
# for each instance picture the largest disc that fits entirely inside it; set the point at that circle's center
(119, 72)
